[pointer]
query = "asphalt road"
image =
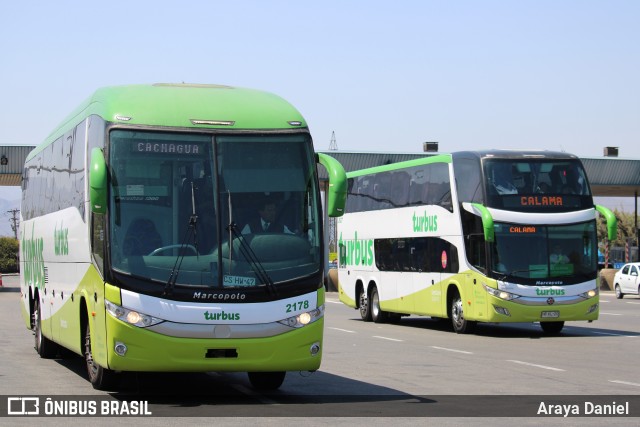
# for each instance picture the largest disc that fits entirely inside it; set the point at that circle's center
(415, 368)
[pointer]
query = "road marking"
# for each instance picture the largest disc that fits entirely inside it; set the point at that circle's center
(614, 335)
(451, 349)
(388, 339)
(631, 302)
(624, 382)
(333, 302)
(611, 314)
(536, 366)
(343, 330)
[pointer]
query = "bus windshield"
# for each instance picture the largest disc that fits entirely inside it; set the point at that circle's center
(534, 253)
(192, 208)
(533, 185)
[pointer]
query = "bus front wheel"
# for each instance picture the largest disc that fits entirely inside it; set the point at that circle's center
(99, 377)
(266, 380)
(456, 313)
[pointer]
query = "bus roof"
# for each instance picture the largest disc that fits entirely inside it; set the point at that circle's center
(515, 154)
(440, 158)
(478, 154)
(184, 106)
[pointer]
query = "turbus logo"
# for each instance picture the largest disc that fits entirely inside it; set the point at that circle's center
(357, 252)
(61, 240)
(33, 260)
(540, 291)
(221, 316)
(424, 222)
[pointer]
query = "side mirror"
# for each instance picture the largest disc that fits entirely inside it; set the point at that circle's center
(337, 194)
(98, 182)
(612, 221)
(487, 221)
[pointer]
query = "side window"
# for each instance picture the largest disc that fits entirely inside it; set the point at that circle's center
(625, 269)
(418, 254)
(634, 270)
(467, 172)
(95, 139)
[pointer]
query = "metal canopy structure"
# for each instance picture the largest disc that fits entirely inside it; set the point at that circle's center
(608, 176)
(12, 159)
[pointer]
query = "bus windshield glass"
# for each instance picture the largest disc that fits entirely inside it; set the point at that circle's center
(536, 185)
(213, 211)
(530, 254)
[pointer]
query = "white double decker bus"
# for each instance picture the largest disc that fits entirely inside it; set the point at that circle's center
(491, 236)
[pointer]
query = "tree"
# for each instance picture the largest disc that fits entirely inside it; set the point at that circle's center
(9, 249)
(626, 228)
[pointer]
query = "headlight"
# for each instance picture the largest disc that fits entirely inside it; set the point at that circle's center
(303, 319)
(590, 293)
(500, 294)
(130, 316)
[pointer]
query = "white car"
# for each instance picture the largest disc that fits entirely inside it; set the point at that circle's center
(627, 280)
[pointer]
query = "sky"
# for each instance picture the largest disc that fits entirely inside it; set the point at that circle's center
(385, 76)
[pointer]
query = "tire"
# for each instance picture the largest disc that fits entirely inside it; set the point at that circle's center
(365, 309)
(552, 328)
(619, 293)
(99, 377)
(377, 315)
(46, 348)
(456, 313)
(266, 380)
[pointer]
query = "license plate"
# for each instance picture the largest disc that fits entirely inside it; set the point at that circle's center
(550, 314)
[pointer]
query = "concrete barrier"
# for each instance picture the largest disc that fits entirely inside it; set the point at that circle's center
(606, 278)
(332, 282)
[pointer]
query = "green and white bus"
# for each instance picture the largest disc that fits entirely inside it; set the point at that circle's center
(471, 236)
(132, 253)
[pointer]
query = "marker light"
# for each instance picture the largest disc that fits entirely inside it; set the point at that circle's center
(303, 319)
(501, 310)
(120, 348)
(130, 316)
(213, 122)
(314, 349)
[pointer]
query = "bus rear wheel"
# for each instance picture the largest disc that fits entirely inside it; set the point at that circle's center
(46, 348)
(377, 315)
(365, 309)
(456, 313)
(552, 328)
(99, 377)
(266, 380)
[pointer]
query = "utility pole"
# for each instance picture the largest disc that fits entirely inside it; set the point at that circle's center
(331, 222)
(14, 221)
(333, 145)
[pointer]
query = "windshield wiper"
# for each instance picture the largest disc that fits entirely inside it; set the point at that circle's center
(252, 258)
(191, 230)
